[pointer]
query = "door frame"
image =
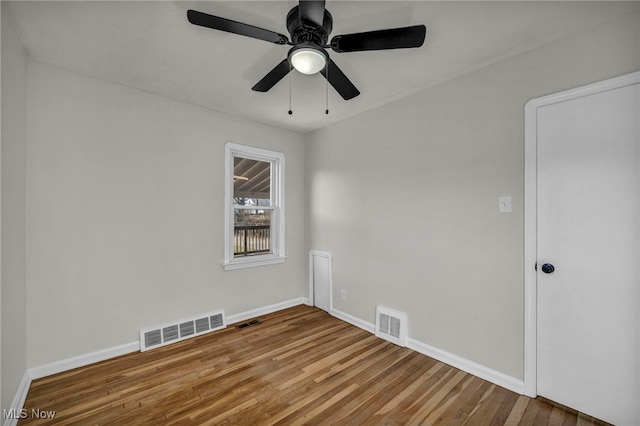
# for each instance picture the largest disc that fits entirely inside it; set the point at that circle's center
(531, 208)
(326, 254)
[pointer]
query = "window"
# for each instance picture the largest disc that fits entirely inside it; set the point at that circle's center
(254, 207)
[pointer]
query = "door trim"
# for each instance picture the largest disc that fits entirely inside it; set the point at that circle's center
(530, 212)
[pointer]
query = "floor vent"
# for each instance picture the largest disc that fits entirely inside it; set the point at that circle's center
(248, 324)
(181, 330)
(391, 325)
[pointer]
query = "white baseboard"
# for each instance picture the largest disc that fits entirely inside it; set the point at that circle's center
(266, 310)
(367, 326)
(19, 399)
(82, 360)
(468, 366)
(456, 361)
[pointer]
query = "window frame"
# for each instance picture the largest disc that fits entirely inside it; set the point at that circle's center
(277, 234)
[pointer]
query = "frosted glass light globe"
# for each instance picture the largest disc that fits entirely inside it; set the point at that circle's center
(308, 61)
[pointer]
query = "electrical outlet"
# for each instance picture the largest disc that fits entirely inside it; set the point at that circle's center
(343, 295)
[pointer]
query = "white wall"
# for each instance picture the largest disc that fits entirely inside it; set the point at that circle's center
(13, 179)
(405, 197)
(125, 214)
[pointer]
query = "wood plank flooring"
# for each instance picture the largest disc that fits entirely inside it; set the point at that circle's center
(300, 366)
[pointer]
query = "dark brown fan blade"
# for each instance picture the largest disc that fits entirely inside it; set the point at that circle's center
(339, 81)
(396, 38)
(312, 12)
(273, 76)
(223, 24)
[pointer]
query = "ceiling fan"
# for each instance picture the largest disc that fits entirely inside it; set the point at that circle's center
(309, 25)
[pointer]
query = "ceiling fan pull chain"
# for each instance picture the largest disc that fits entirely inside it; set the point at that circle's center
(290, 77)
(326, 111)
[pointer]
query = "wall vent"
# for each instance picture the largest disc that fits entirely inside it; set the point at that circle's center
(156, 337)
(391, 325)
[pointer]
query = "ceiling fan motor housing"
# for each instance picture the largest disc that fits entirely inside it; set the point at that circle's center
(302, 32)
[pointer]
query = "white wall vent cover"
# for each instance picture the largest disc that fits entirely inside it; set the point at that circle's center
(391, 325)
(156, 337)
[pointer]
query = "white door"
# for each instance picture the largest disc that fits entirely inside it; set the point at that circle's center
(588, 189)
(321, 280)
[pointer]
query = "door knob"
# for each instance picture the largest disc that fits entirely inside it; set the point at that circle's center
(548, 268)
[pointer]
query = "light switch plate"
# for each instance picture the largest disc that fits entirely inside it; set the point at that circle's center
(504, 204)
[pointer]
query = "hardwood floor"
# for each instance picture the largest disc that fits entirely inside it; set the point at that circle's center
(300, 366)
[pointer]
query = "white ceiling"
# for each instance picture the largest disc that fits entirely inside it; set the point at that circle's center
(150, 45)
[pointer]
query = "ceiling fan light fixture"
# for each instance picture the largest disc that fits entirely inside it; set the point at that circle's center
(308, 60)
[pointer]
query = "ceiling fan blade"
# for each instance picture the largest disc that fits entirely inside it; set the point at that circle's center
(223, 24)
(396, 38)
(311, 12)
(273, 76)
(339, 81)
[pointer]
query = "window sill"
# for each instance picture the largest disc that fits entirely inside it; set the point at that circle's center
(252, 262)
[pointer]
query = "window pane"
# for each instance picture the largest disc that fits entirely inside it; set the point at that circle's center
(251, 232)
(251, 182)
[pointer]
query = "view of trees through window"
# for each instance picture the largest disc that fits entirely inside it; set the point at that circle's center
(253, 207)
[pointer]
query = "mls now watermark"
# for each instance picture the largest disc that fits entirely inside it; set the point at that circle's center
(35, 413)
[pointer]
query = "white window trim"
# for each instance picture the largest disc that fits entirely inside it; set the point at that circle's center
(277, 182)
